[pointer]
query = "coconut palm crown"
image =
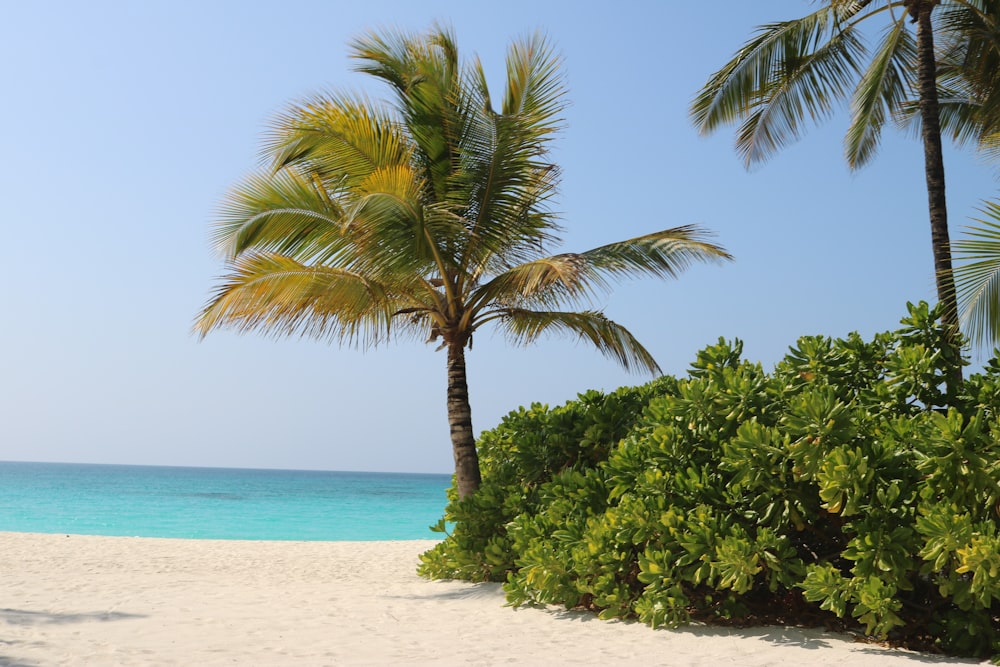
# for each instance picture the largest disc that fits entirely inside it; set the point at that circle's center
(969, 73)
(426, 216)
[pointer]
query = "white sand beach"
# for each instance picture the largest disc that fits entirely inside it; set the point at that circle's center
(78, 600)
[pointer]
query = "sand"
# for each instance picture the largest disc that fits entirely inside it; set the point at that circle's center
(80, 600)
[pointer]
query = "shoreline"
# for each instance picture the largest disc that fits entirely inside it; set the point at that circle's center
(94, 600)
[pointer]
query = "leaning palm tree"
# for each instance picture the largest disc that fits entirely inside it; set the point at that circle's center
(795, 71)
(426, 216)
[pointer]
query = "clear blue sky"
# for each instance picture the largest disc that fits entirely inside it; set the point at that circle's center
(124, 123)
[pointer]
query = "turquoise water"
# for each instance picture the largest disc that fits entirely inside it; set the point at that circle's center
(219, 503)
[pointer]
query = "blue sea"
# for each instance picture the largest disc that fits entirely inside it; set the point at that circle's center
(219, 503)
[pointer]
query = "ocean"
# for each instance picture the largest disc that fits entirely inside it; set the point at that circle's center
(219, 503)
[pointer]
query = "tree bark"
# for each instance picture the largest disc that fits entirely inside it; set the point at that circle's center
(920, 11)
(463, 441)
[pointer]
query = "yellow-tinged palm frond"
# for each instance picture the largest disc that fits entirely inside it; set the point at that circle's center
(977, 277)
(989, 144)
(404, 60)
(386, 216)
(393, 228)
(549, 281)
(281, 212)
(337, 138)
(882, 90)
(278, 296)
(523, 327)
(791, 71)
(487, 168)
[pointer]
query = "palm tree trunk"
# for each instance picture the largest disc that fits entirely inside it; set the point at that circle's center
(920, 11)
(463, 442)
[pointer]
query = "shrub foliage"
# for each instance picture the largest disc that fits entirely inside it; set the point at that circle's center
(845, 483)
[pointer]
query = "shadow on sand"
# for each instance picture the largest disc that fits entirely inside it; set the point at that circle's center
(25, 617)
(813, 639)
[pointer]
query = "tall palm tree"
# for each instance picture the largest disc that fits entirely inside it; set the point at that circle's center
(794, 71)
(427, 216)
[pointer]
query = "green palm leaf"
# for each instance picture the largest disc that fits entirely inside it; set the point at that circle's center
(661, 254)
(506, 182)
(425, 74)
(977, 277)
(882, 89)
(549, 281)
(791, 71)
(560, 279)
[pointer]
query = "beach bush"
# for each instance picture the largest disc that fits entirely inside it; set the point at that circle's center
(845, 486)
(519, 458)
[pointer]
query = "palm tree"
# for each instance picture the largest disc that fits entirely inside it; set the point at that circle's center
(425, 217)
(794, 71)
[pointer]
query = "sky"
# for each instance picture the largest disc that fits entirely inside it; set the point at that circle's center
(124, 123)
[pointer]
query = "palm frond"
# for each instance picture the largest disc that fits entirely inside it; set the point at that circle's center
(989, 144)
(882, 89)
(338, 138)
(505, 180)
(560, 279)
(967, 68)
(390, 55)
(960, 118)
(977, 277)
(391, 229)
(535, 84)
(508, 212)
(614, 341)
(960, 96)
(278, 296)
(790, 71)
(806, 87)
(549, 281)
(661, 254)
(424, 71)
(281, 212)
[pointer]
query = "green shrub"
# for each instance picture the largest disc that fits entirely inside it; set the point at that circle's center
(518, 458)
(847, 482)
